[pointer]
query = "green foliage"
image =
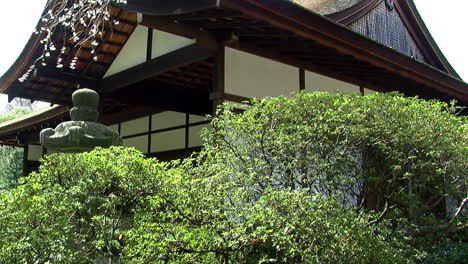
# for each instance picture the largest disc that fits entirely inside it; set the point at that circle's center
(76, 207)
(376, 149)
(284, 182)
(11, 159)
(447, 253)
(14, 113)
(11, 166)
(115, 206)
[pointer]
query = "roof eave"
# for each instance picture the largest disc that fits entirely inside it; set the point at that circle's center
(167, 8)
(11, 128)
(294, 18)
(425, 35)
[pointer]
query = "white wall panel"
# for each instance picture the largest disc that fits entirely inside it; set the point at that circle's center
(195, 139)
(170, 140)
(133, 127)
(34, 152)
(132, 54)
(167, 119)
(317, 82)
(196, 119)
(249, 75)
(368, 91)
(140, 143)
(164, 43)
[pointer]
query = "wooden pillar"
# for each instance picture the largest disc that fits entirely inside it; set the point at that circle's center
(150, 127)
(25, 160)
(217, 95)
(149, 45)
(301, 79)
(187, 131)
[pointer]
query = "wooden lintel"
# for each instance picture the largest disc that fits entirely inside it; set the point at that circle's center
(178, 58)
(165, 96)
(203, 38)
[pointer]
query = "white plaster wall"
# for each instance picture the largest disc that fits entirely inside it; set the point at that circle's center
(196, 119)
(164, 43)
(132, 54)
(140, 143)
(34, 152)
(167, 119)
(368, 91)
(170, 140)
(133, 127)
(253, 76)
(317, 82)
(195, 139)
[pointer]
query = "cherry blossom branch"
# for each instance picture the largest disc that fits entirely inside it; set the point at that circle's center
(85, 20)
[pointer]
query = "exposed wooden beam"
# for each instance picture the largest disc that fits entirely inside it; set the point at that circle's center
(54, 73)
(203, 38)
(154, 67)
(165, 96)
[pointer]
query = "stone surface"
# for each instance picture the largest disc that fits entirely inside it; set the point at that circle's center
(82, 133)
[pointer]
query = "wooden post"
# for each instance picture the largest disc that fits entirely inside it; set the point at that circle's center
(301, 79)
(25, 160)
(217, 95)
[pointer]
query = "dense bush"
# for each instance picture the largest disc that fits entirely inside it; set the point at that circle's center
(369, 150)
(287, 181)
(75, 208)
(447, 253)
(116, 206)
(11, 158)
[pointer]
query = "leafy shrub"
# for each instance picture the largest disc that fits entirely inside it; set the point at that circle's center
(368, 150)
(206, 219)
(115, 206)
(11, 159)
(448, 253)
(284, 182)
(75, 208)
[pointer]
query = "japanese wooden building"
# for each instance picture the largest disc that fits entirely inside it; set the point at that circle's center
(169, 63)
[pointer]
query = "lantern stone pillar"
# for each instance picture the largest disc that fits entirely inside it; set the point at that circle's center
(82, 133)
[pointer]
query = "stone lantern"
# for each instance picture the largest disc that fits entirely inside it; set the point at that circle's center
(82, 133)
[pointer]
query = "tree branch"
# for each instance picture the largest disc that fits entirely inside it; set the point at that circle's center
(380, 218)
(422, 230)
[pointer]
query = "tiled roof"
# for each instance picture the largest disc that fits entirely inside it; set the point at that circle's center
(325, 7)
